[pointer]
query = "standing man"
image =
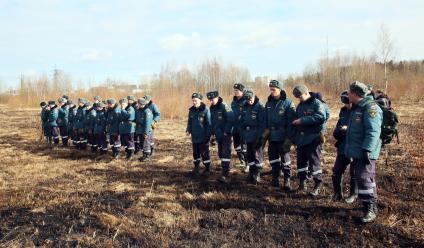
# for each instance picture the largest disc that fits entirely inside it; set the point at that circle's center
(199, 127)
(62, 120)
(52, 123)
(363, 145)
(342, 161)
(309, 123)
(79, 124)
(99, 130)
(252, 125)
(113, 115)
(90, 115)
(44, 116)
(222, 119)
(127, 127)
(156, 118)
(280, 112)
(237, 107)
(72, 111)
(143, 131)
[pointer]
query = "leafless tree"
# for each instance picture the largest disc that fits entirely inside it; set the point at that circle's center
(385, 50)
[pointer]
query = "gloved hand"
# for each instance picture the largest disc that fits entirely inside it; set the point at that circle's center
(154, 125)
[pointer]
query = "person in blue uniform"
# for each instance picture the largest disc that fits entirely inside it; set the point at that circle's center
(143, 130)
(127, 127)
(237, 107)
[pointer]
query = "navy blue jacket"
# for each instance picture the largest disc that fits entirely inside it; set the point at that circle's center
(280, 114)
(52, 117)
(100, 122)
(222, 119)
(62, 119)
(127, 124)
(144, 120)
(252, 123)
(338, 133)
(312, 117)
(89, 120)
(71, 117)
(155, 110)
(237, 107)
(113, 118)
(79, 118)
(199, 124)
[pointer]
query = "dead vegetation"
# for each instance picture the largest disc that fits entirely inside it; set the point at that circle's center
(59, 197)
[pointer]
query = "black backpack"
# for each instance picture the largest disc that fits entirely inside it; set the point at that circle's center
(389, 126)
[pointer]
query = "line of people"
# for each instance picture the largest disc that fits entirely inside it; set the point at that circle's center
(250, 125)
(128, 123)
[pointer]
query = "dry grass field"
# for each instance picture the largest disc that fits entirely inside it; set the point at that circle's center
(65, 198)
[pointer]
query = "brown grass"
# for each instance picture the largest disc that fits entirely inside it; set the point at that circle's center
(61, 197)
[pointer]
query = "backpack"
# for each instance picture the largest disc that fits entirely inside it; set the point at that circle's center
(389, 126)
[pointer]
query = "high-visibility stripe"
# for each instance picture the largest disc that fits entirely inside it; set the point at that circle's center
(225, 160)
(302, 169)
(287, 163)
(64, 137)
(251, 163)
(260, 165)
(365, 191)
(317, 172)
(275, 161)
(206, 161)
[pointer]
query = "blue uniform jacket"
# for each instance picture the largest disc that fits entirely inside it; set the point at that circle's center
(338, 134)
(312, 118)
(144, 120)
(280, 114)
(79, 118)
(53, 115)
(199, 124)
(252, 122)
(62, 119)
(363, 132)
(100, 122)
(71, 117)
(222, 119)
(155, 110)
(127, 124)
(90, 116)
(237, 107)
(113, 118)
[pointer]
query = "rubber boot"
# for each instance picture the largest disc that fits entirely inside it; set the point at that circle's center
(286, 184)
(115, 152)
(317, 189)
(337, 187)
(224, 175)
(275, 171)
(146, 157)
(130, 154)
(370, 212)
(302, 186)
(195, 171)
(256, 174)
(353, 191)
(251, 174)
(207, 171)
(152, 150)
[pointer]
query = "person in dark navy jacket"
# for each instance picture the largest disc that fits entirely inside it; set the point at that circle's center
(143, 130)
(53, 114)
(127, 127)
(237, 107)
(156, 118)
(62, 120)
(199, 128)
(99, 130)
(113, 118)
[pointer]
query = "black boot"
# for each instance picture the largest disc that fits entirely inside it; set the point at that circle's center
(115, 152)
(195, 171)
(146, 157)
(317, 189)
(130, 154)
(152, 150)
(370, 212)
(353, 191)
(224, 175)
(275, 171)
(337, 187)
(207, 171)
(302, 186)
(251, 175)
(286, 183)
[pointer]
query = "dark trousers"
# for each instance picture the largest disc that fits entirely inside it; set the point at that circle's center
(115, 141)
(309, 160)
(364, 170)
(201, 153)
(278, 159)
(255, 156)
(342, 162)
(54, 134)
(143, 143)
(239, 144)
(100, 142)
(224, 152)
(73, 135)
(64, 135)
(127, 141)
(90, 139)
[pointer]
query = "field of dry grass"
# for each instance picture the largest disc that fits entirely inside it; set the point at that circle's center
(61, 197)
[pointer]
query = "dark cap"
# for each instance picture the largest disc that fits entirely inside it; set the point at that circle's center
(276, 84)
(239, 86)
(359, 89)
(130, 98)
(212, 94)
(344, 97)
(110, 101)
(197, 95)
(123, 100)
(43, 103)
(300, 90)
(142, 101)
(51, 102)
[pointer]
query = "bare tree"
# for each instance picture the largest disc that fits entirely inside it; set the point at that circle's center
(385, 50)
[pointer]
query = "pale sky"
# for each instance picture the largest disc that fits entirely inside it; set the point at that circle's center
(125, 39)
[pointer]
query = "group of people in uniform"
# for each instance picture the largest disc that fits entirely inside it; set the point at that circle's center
(249, 125)
(128, 123)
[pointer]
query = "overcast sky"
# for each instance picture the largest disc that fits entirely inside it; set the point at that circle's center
(125, 39)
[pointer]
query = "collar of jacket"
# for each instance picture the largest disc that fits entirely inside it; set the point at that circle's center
(241, 100)
(366, 100)
(200, 108)
(217, 104)
(283, 96)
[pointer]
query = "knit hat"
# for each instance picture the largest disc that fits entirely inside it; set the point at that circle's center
(66, 97)
(142, 101)
(62, 100)
(51, 102)
(110, 101)
(130, 98)
(344, 97)
(123, 100)
(148, 98)
(43, 103)
(239, 86)
(300, 90)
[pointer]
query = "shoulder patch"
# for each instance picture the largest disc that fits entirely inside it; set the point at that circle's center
(321, 108)
(373, 111)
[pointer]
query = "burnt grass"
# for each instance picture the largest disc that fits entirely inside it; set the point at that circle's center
(59, 197)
